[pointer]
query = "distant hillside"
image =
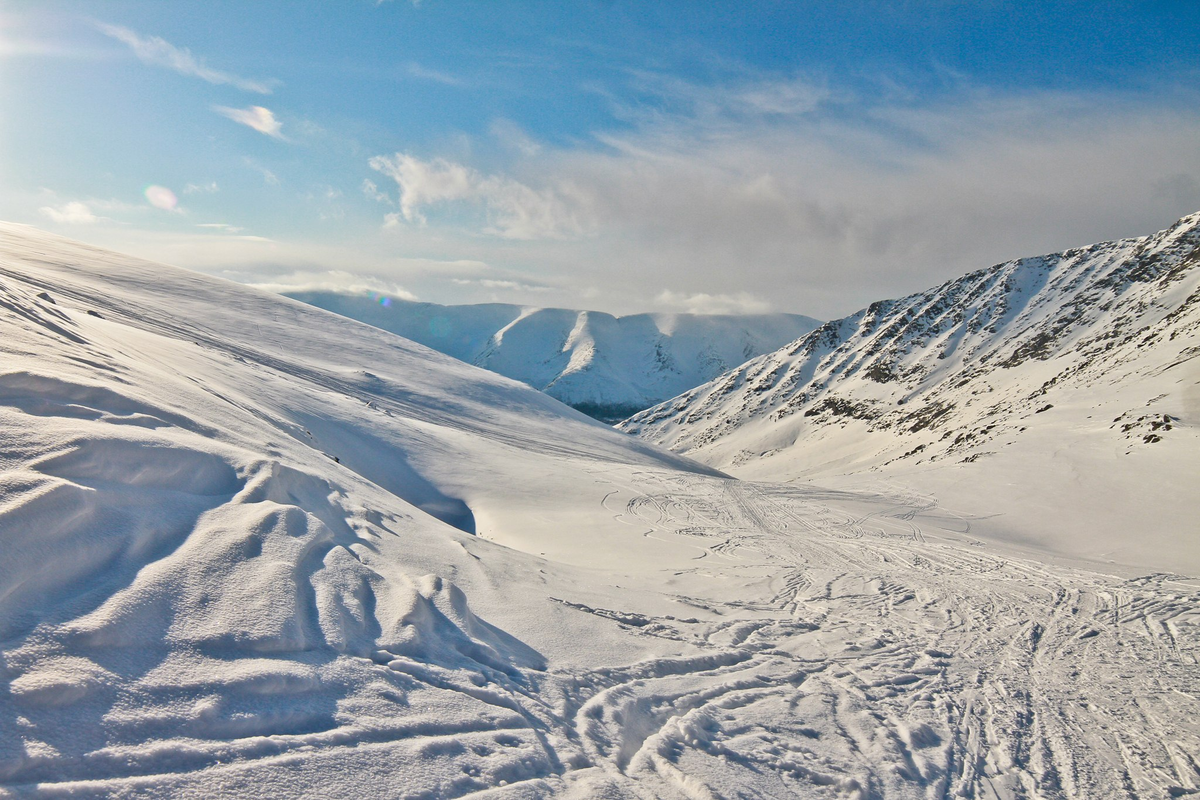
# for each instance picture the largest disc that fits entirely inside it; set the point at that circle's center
(608, 367)
(1066, 381)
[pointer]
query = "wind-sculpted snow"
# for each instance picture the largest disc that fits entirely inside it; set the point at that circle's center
(251, 549)
(606, 366)
(1062, 392)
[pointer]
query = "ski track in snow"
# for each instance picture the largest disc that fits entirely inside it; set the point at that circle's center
(880, 664)
(862, 660)
(197, 600)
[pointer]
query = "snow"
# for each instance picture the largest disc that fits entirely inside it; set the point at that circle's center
(254, 549)
(607, 366)
(1054, 400)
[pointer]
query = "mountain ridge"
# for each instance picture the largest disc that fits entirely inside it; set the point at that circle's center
(604, 365)
(1086, 354)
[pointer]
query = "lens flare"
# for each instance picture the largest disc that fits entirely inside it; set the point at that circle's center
(161, 197)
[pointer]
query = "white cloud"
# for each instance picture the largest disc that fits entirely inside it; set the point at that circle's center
(424, 183)
(514, 210)
(220, 226)
(72, 213)
(159, 52)
(371, 190)
(202, 188)
(256, 117)
(700, 303)
(335, 281)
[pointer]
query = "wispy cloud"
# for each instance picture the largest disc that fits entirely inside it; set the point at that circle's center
(514, 210)
(256, 117)
(701, 303)
(509, 134)
(371, 190)
(335, 281)
(71, 213)
(220, 226)
(202, 188)
(415, 70)
(663, 100)
(159, 52)
(501, 283)
(269, 177)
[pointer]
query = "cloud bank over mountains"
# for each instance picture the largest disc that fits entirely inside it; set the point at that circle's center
(801, 195)
(663, 156)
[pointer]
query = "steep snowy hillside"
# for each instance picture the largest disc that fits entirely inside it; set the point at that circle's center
(252, 549)
(608, 367)
(1060, 392)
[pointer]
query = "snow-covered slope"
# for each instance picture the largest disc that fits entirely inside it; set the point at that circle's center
(252, 549)
(606, 366)
(1061, 393)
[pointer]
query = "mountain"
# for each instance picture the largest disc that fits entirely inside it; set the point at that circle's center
(605, 366)
(252, 549)
(1059, 395)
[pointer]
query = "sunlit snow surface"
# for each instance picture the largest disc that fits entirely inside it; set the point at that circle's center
(253, 549)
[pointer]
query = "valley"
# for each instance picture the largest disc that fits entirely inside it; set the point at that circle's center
(255, 548)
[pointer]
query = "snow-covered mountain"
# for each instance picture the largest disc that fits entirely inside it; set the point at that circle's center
(1058, 391)
(608, 367)
(249, 548)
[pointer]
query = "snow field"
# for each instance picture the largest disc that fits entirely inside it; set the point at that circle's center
(252, 549)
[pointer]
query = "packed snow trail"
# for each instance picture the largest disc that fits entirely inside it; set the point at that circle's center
(872, 655)
(251, 549)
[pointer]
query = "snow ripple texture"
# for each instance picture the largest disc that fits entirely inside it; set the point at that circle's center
(251, 549)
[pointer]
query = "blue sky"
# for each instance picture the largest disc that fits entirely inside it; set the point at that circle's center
(719, 157)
